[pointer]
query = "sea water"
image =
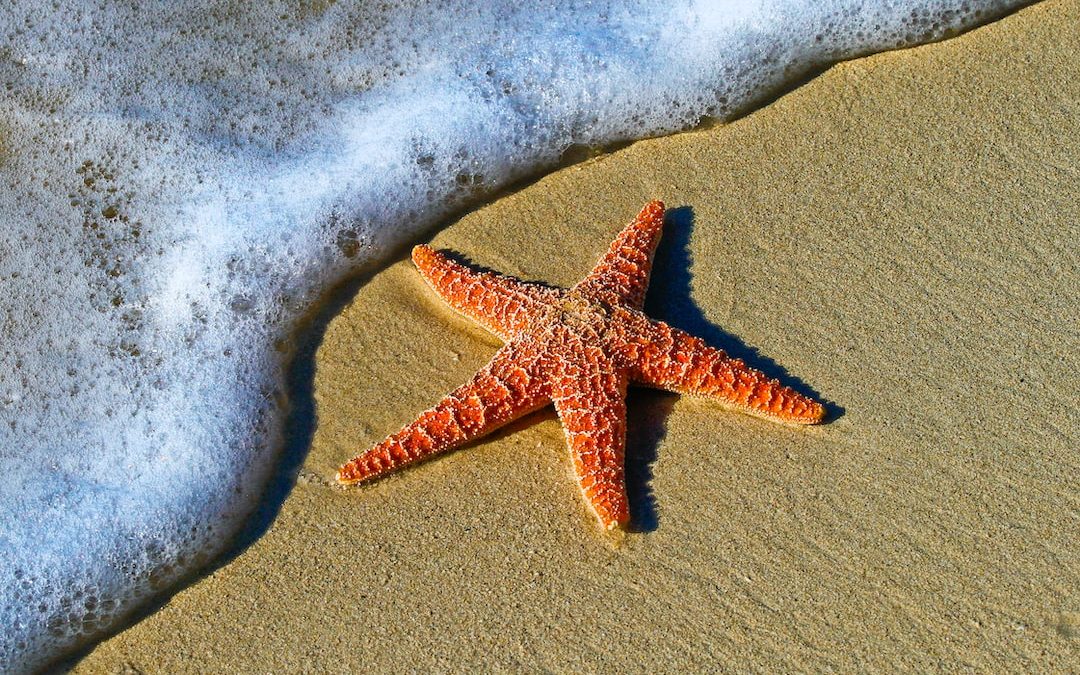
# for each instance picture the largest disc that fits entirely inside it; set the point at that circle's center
(180, 180)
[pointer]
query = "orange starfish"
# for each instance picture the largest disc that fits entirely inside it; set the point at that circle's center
(578, 348)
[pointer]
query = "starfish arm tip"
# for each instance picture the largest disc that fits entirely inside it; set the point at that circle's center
(815, 413)
(421, 252)
(616, 526)
(616, 533)
(355, 472)
(807, 414)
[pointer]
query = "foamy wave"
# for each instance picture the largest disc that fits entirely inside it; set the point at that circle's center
(181, 179)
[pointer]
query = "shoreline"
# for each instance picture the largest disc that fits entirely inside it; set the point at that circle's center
(758, 273)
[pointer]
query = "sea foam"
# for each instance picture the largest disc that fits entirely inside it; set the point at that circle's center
(181, 180)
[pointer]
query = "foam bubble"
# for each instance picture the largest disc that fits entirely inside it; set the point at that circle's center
(180, 179)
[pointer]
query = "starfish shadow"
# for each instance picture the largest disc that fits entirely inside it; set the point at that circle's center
(670, 299)
(647, 412)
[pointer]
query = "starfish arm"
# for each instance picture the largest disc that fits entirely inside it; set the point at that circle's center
(500, 303)
(622, 275)
(505, 389)
(591, 403)
(671, 359)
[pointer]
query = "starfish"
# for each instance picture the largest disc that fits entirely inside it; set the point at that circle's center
(578, 348)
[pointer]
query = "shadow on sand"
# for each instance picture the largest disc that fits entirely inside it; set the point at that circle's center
(670, 300)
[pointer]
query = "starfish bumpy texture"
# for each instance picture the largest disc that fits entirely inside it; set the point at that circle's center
(578, 348)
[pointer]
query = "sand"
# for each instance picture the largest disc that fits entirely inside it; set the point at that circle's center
(898, 236)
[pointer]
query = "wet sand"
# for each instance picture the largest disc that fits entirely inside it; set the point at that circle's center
(898, 236)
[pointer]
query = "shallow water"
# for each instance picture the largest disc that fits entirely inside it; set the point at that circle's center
(181, 180)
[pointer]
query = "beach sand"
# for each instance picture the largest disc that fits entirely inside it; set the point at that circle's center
(898, 236)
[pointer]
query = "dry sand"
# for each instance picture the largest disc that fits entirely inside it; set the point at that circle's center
(900, 235)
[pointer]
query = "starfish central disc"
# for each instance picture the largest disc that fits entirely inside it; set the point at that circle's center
(578, 349)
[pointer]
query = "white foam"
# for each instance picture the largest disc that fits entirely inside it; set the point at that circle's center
(180, 179)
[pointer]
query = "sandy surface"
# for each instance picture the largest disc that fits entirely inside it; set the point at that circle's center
(898, 236)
